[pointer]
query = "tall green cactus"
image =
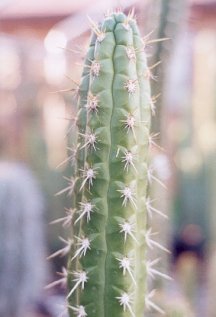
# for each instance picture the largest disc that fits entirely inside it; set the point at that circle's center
(107, 259)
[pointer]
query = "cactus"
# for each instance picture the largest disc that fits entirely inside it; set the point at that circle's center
(170, 17)
(23, 268)
(107, 265)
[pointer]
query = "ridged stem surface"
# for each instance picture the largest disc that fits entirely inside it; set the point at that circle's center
(111, 176)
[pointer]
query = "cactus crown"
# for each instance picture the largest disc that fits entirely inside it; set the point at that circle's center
(107, 267)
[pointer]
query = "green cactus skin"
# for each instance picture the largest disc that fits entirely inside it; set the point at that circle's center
(107, 266)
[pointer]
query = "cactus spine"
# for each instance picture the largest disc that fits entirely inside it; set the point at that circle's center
(107, 267)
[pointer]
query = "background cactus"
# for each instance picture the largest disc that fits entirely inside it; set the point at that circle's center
(107, 264)
(21, 227)
(170, 17)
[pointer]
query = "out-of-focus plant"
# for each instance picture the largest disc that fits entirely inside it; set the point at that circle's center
(23, 267)
(168, 18)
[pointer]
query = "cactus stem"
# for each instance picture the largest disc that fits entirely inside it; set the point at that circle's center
(153, 272)
(89, 174)
(114, 101)
(152, 243)
(128, 229)
(151, 305)
(67, 220)
(125, 264)
(79, 311)
(64, 251)
(128, 196)
(62, 281)
(84, 244)
(80, 278)
(125, 301)
(151, 209)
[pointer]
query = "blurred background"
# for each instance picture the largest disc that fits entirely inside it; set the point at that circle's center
(42, 45)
